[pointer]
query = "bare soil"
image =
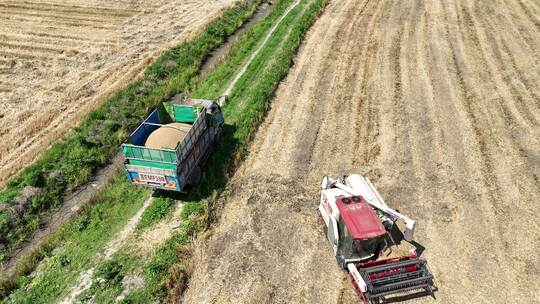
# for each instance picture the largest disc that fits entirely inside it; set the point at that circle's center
(438, 103)
(60, 58)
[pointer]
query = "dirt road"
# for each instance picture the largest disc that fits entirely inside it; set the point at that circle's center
(438, 102)
(59, 58)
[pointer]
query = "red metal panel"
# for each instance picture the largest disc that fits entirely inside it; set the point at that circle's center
(359, 217)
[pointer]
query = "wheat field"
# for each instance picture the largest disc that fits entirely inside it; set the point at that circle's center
(60, 58)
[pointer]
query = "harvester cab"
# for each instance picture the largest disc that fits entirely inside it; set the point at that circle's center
(358, 224)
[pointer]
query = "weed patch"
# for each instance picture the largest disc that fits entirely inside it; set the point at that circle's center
(159, 208)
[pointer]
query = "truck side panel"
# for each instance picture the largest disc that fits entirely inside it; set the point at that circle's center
(184, 148)
(201, 148)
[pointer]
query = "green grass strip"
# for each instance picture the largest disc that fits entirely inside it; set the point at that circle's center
(215, 83)
(165, 271)
(245, 111)
(76, 244)
(73, 161)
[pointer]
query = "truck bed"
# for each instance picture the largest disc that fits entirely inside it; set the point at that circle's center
(169, 168)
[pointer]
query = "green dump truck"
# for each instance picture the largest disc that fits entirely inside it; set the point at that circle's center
(170, 146)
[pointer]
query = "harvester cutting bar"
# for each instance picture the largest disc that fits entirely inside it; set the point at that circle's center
(396, 277)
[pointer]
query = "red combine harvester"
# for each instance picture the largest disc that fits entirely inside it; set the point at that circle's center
(358, 226)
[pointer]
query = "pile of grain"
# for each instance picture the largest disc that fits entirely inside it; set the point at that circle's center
(167, 136)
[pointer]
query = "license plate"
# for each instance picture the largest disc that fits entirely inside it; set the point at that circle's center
(152, 178)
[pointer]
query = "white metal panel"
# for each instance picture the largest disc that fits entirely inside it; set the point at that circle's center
(331, 195)
(333, 234)
(357, 277)
(323, 210)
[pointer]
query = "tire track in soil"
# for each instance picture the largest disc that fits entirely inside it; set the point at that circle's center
(421, 96)
(335, 75)
(84, 281)
(461, 217)
(497, 139)
(504, 69)
(524, 23)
